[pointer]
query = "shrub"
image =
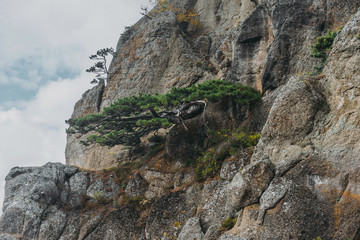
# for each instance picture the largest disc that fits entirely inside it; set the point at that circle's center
(237, 137)
(321, 50)
(323, 45)
(229, 223)
(209, 163)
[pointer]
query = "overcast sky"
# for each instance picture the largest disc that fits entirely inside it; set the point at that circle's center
(44, 49)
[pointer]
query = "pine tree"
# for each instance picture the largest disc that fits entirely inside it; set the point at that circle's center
(100, 68)
(128, 119)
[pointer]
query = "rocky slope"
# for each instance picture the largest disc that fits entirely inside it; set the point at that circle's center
(300, 182)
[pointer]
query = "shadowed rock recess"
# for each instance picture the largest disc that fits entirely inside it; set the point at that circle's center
(301, 180)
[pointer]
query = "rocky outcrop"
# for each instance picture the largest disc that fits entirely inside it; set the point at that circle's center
(257, 43)
(191, 230)
(315, 172)
(300, 182)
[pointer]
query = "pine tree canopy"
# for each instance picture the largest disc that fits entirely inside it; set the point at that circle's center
(128, 119)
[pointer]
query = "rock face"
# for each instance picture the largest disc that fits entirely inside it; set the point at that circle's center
(300, 182)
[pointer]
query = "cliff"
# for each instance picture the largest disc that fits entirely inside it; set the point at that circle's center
(300, 181)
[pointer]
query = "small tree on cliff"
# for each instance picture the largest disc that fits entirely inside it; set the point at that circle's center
(129, 119)
(100, 67)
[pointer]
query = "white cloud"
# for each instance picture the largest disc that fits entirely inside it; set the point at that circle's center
(58, 32)
(57, 36)
(36, 134)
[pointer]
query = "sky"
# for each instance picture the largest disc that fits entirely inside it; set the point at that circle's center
(44, 50)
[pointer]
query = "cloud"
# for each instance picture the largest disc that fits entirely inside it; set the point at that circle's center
(36, 134)
(42, 40)
(44, 51)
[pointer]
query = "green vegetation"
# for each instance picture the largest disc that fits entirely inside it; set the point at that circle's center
(228, 223)
(323, 45)
(129, 119)
(358, 36)
(100, 68)
(322, 48)
(100, 199)
(209, 164)
(237, 137)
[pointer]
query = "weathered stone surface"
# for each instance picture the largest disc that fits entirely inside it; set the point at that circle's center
(290, 121)
(259, 43)
(191, 230)
(167, 215)
(210, 207)
(293, 112)
(338, 134)
(29, 193)
(119, 224)
(247, 187)
(6, 236)
(184, 178)
(320, 183)
(212, 233)
(40, 201)
(155, 58)
(98, 187)
(271, 196)
(230, 167)
(158, 183)
(53, 226)
(93, 156)
(89, 102)
(137, 186)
